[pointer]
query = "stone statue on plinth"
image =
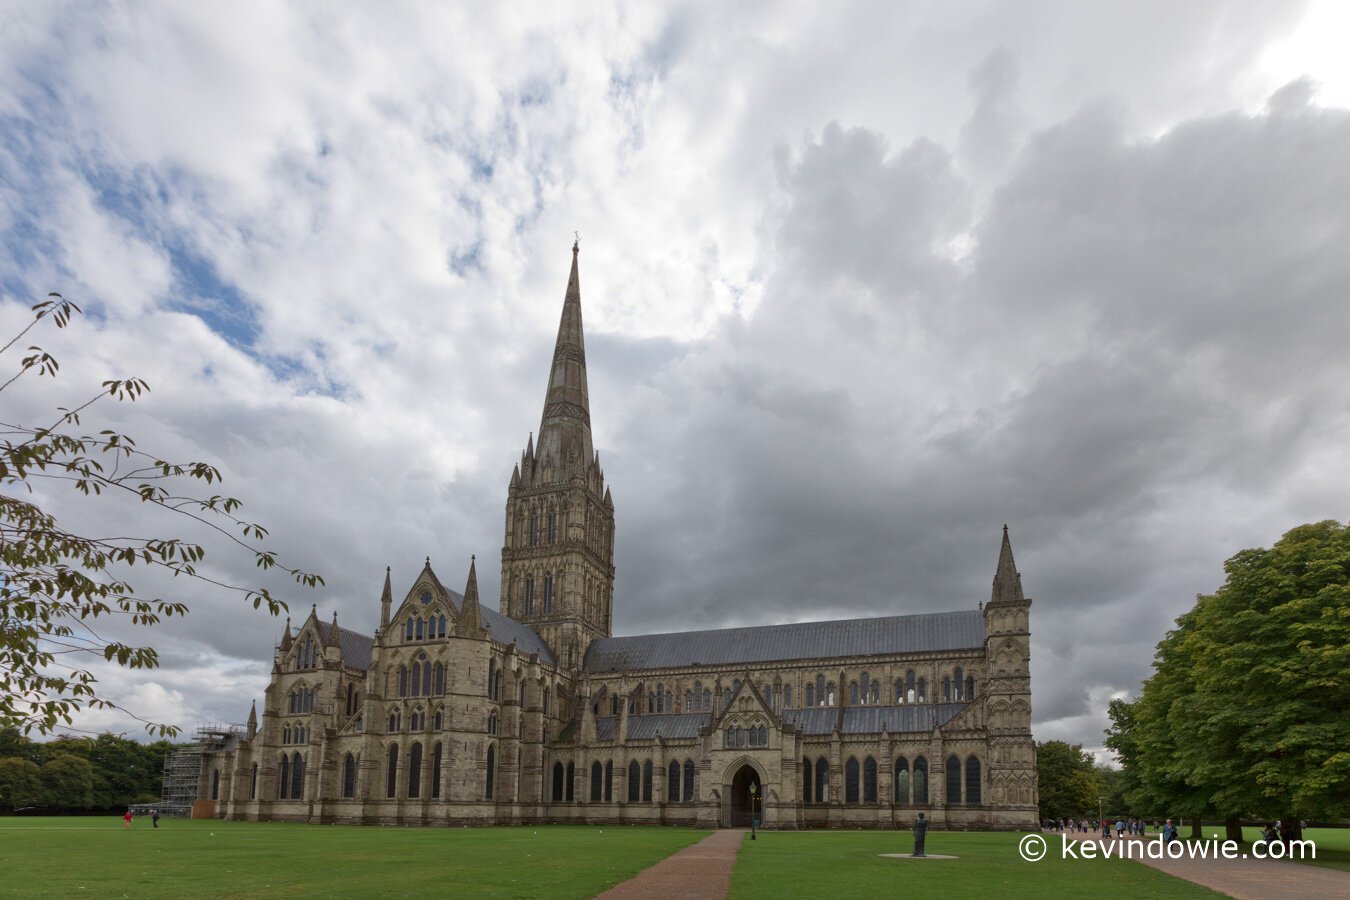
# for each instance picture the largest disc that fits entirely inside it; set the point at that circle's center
(920, 832)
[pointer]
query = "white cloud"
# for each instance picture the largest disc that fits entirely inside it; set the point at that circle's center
(861, 283)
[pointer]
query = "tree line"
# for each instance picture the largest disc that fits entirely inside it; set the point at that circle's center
(78, 773)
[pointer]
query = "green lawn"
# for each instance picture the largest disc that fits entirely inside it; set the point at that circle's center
(65, 857)
(847, 863)
(94, 857)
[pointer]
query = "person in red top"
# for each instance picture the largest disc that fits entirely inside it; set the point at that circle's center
(126, 820)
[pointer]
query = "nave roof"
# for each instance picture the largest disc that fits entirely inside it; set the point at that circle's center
(928, 632)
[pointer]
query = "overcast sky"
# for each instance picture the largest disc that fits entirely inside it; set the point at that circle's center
(861, 283)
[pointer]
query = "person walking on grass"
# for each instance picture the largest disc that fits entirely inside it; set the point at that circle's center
(126, 820)
(154, 817)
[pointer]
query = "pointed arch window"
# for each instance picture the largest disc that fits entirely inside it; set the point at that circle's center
(807, 796)
(284, 778)
(571, 782)
(548, 594)
(869, 780)
(438, 722)
(546, 701)
(958, 683)
(853, 693)
(787, 696)
(920, 782)
(946, 689)
(415, 771)
(416, 690)
(557, 782)
(688, 701)
(437, 756)
(830, 694)
(297, 776)
(634, 782)
(534, 530)
(529, 596)
(609, 781)
(875, 695)
(865, 684)
(421, 629)
(822, 780)
(408, 632)
(253, 783)
(923, 690)
(395, 723)
(707, 699)
(597, 782)
(820, 691)
(688, 781)
(552, 527)
(349, 777)
(491, 771)
(973, 782)
(440, 627)
(391, 772)
(901, 782)
(673, 782)
(953, 781)
(970, 687)
(851, 773)
(403, 681)
(647, 781)
(810, 695)
(492, 680)
(899, 690)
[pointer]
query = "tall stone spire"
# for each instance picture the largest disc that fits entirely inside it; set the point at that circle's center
(558, 553)
(564, 445)
(470, 618)
(386, 599)
(1007, 583)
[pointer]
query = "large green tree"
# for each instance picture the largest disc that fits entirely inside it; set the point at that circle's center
(1248, 710)
(57, 582)
(1067, 780)
(67, 782)
(20, 784)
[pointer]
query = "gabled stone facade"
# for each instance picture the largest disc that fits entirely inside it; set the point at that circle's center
(454, 713)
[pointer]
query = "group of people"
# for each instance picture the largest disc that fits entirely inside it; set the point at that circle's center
(1122, 827)
(130, 814)
(1088, 826)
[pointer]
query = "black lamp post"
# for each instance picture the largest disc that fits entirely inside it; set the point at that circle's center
(754, 791)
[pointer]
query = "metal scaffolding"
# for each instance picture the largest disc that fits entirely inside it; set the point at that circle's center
(183, 767)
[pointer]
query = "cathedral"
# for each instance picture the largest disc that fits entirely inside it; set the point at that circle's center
(455, 713)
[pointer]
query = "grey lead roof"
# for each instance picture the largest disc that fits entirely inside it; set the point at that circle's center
(921, 717)
(354, 645)
(644, 728)
(806, 640)
(505, 630)
(814, 720)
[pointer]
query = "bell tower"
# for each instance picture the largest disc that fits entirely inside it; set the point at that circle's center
(558, 554)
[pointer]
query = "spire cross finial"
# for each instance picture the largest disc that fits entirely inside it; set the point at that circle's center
(428, 560)
(576, 244)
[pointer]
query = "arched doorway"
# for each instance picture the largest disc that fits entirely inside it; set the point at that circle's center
(741, 796)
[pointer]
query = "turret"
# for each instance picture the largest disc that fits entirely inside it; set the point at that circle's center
(386, 599)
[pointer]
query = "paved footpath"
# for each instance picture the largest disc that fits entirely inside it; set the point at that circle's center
(1257, 879)
(701, 871)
